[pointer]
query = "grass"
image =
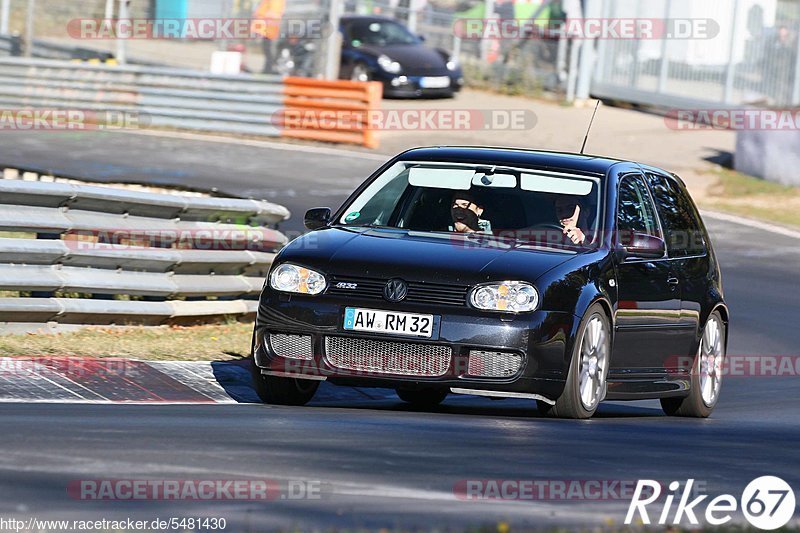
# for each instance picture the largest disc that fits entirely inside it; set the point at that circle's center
(754, 198)
(219, 342)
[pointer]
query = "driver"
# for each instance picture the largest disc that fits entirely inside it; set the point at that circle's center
(568, 212)
(466, 214)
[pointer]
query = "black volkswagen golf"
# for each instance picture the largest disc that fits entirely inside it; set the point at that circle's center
(568, 279)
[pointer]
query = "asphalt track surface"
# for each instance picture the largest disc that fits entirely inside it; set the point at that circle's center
(298, 176)
(380, 463)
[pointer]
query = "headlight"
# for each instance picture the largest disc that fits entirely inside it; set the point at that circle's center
(452, 63)
(508, 296)
(390, 66)
(293, 278)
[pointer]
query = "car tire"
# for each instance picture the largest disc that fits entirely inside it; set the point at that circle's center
(586, 383)
(277, 390)
(706, 374)
(423, 398)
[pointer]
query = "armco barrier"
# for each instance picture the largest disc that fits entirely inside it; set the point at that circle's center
(115, 256)
(311, 97)
(165, 97)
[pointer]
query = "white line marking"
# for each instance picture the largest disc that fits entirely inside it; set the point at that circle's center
(744, 221)
(42, 376)
(79, 385)
(198, 376)
(118, 402)
(263, 144)
(45, 383)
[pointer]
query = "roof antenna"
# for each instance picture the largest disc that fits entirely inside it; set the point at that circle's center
(583, 147)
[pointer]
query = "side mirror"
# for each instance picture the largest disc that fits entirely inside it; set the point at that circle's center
(643, 246)
(316, 218)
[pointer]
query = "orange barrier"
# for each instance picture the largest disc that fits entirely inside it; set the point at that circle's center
(329, 110)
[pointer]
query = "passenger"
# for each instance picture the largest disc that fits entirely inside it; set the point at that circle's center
(466, 214)
(568, 212)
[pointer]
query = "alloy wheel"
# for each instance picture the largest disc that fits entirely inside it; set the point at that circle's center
(710, 362)
(594, 363)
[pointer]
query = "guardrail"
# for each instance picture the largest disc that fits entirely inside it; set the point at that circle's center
(165, 97)
(85, 254)
(305, 97)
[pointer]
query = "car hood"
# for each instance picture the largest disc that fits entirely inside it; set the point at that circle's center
(418, 256)
(414, 58)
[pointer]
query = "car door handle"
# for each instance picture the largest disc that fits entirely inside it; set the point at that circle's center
(673, 281)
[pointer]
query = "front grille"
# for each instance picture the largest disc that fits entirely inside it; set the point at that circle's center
(419, 293)
(292, 346)
(386, 357)
(424, 71)
(493, 364)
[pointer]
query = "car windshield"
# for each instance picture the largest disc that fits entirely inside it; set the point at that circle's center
(526, 206)
(381, 33)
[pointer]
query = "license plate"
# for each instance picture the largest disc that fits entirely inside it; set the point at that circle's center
(435, 82)
(357, 319)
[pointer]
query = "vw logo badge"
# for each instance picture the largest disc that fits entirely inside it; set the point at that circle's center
(395, 290)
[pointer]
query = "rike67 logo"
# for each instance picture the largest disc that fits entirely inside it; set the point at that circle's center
(767, 502)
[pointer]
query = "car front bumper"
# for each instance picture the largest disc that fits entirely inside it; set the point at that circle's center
(411, 86)
(540, 342)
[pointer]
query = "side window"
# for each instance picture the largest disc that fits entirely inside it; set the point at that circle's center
(681, 222)
(635, 208)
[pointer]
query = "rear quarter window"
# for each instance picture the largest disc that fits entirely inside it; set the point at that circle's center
(679, 217)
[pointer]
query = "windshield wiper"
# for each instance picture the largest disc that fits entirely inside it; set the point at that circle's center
(375, 226)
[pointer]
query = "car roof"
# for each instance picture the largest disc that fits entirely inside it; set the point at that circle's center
(520, 157)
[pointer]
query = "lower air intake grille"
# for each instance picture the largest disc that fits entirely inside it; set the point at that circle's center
(292, 346)
(385, 357)
(493, 364)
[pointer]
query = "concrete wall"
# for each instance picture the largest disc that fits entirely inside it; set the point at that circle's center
(772, 155)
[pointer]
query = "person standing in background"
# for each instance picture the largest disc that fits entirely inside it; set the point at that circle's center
(781, 54)
(269, 12)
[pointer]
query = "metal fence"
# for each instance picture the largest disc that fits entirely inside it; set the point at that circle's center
(520, 66)
(49, 21)
(753, 60)
(82, 254)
